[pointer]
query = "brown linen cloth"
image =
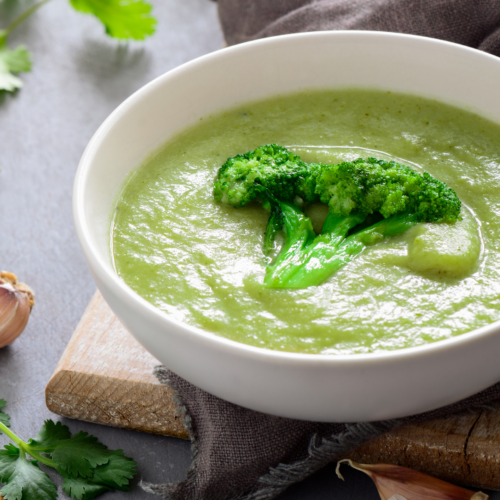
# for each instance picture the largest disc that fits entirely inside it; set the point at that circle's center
(475, 23)
(239, 454)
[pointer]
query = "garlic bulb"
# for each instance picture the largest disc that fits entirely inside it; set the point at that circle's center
(16, 301)
(400, 483)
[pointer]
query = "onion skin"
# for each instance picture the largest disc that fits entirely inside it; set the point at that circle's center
(16, 301)
(400, 483)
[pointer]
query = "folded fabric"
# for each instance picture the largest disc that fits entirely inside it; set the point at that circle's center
(473, 23)
(240, 454)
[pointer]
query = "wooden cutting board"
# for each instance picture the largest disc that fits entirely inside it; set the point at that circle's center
(105, 376)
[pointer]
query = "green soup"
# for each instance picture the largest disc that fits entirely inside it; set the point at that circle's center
(202, 262)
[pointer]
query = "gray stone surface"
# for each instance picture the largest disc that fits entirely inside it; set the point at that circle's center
(79, 76)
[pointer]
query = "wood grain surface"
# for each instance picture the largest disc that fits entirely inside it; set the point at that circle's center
(461, 449)
(105, 376)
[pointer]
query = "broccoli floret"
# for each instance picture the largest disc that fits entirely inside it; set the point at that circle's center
(368, 186)
(352, 190)
(268, 170)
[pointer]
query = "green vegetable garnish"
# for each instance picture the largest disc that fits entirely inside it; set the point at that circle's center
(87, 466)
(124, 19)
(4, 418)
(359, 194)
(14, 61)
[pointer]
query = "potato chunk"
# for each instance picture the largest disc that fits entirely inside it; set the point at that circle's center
(450, 249)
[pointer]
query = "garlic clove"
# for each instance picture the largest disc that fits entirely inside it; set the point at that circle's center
(16, 301)
(400, 483)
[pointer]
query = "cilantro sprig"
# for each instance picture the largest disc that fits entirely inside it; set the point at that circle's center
(122, 19)
(4, 418)
(87, 467)
(18, 60)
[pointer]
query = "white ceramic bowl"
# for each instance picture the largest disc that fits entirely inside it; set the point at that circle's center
(305, 386)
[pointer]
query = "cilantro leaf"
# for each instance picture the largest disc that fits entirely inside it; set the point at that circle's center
(77, 455)
(116, 473)
(87, 466)
(25, 480)
(49, 435)
(81, 488)
(125, 19)
(113, 475)
(4, 418)
(12, 61)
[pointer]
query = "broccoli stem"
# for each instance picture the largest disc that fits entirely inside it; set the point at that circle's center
(323, 263)
(307, 260)
(294, 257)
(299, 233)
(274, 225)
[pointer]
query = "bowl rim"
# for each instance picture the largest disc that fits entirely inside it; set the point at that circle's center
(134, 300)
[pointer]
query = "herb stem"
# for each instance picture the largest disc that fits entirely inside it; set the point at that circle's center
(25, 447)
(11, 435)
(14, 24)
(37, 456)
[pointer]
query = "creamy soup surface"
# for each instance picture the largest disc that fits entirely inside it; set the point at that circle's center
(202, 262)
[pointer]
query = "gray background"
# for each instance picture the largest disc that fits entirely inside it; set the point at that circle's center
(79, 76)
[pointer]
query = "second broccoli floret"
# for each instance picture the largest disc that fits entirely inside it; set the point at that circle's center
(368, 186)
